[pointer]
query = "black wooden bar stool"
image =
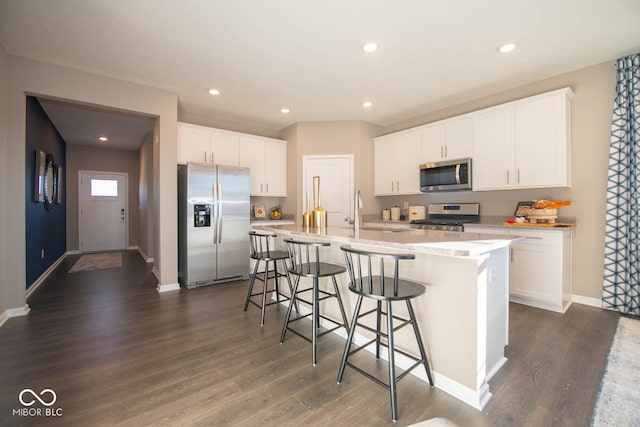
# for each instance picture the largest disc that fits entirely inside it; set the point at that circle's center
(304, 261)
(367, 279)
(261, 251)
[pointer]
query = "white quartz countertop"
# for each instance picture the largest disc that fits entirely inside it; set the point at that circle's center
(446, 243)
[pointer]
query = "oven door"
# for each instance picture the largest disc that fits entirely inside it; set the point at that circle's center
(454, 175)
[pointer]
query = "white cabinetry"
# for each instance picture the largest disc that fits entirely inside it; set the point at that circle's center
(493, 149)
(446, 140)
(267, 160)
(523, 144)
(540, 268)
(207, 145)
(396, 163)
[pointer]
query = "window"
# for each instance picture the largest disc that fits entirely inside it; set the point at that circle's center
(104, 187)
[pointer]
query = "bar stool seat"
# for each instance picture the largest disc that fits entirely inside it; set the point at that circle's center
(304, 261)
(368, 280)
(261, 251)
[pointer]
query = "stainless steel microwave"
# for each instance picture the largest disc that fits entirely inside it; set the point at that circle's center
(451, 175)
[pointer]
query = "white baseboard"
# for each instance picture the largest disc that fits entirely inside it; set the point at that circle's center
(14, 312)
(168, 287)
(148, 259)
(593, 302)
(31, 289)
(74, 252)
(155, 272)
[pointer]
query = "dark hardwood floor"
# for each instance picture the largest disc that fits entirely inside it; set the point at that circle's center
(118, 353)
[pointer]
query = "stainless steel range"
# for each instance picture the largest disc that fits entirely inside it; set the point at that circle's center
(448, 216)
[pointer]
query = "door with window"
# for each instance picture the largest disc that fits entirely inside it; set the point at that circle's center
(103, 211)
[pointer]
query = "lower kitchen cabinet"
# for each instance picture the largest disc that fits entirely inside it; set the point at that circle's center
(540, 268)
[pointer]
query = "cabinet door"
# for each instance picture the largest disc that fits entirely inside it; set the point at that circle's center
(252, 157)
(275, 168)
(536, 273)
(193, 144)
(384, 166)
(457, 138)
(224, 148)
(541, 145)
(492, 154)
(432, 143)
(407, 163)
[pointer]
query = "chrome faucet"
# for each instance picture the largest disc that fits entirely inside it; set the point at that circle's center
(357, 205)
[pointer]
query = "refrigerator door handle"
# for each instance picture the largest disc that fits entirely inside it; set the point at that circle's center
(215, 213)
(220, 213)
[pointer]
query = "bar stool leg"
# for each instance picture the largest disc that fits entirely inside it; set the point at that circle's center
(286, 271)
(288, 315)
(392, 364)
(347, 347)
(345, 322)
(378, 327)
(264, 292)
(315, 321)
(253, 280)
(423, 354)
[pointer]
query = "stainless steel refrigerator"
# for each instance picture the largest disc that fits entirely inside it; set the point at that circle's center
(213, 222)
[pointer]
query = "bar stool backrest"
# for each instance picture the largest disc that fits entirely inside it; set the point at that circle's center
(260, 244)
(364, 266)
(304, 257)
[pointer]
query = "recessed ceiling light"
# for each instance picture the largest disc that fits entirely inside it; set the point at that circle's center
(370, 47)
(284, 111)
(214, 92)
(506, 48)
(367, 104)
(103, 139)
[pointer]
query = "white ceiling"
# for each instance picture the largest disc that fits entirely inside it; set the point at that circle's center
(264, 55)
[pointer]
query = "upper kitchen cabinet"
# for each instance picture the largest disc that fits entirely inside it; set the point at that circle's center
(207, 145)
(446, 140)
(396, 163)
(493, 149)
(267, 160)
(523, 144)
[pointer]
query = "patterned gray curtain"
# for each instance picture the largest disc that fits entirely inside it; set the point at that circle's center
(621, 289)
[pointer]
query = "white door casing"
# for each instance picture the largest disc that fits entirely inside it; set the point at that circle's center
(336, 186)
(103, 215)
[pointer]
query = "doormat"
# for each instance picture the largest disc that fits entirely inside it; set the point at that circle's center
(618, 402)
(99, 261)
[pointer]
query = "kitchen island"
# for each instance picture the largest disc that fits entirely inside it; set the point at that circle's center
(463, 315)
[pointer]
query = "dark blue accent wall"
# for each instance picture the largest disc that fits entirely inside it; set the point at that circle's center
(45, 229)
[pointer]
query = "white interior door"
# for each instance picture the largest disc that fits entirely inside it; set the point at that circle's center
(103, 211)
(336, 186)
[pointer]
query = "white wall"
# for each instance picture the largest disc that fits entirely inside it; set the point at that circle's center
(4, 242)
(37, 78)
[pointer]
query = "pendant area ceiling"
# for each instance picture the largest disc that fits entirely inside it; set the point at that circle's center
(306, 56)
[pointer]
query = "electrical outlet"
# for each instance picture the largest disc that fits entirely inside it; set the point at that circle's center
(42, 254)
(405, 206)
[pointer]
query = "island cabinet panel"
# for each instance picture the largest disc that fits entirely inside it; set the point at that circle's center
(446, 140)
(267, 160)
(523, 144)
(540, 266)
(207, 145)
(396, 164)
